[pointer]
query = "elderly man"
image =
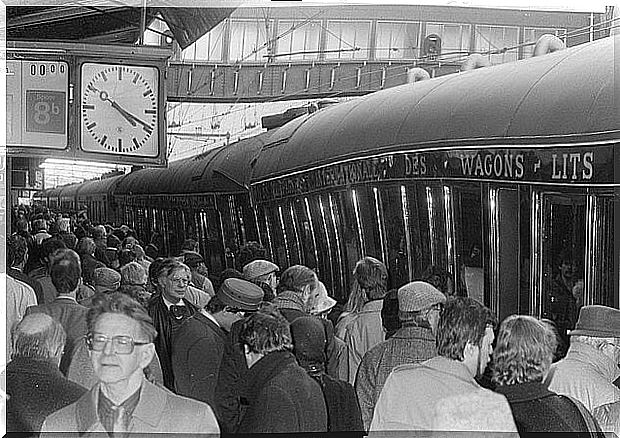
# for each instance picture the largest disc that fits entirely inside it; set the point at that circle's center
(590, 367)
(420, 307)
(121, 342)
(66, 275)
(198, 345)
(264, 274)
(35, 385)
(441, 393)
(105, 281)
(280, 396)
(169, 308)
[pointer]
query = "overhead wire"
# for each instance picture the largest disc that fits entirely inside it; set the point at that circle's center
(454, 57)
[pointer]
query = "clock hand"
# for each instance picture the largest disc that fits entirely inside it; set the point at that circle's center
(146, 125)
(103, 95)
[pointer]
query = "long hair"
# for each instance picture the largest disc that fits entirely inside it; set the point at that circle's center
(524, 350)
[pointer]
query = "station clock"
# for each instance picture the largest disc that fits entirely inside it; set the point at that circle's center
(120, 111)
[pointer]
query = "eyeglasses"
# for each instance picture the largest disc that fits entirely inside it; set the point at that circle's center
(120, 344)
(180, 280)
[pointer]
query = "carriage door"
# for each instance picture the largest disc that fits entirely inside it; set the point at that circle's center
(558, 256)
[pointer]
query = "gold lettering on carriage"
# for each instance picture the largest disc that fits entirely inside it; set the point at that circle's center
(497, 165)
(572, 166)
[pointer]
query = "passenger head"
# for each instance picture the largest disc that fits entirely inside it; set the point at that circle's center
(371, 275)
(65, 271)
(106, 280)
(39, 225)
(524, 351)
(17, 251)
(262, 271)
(320, 301)
(440, 278)
(420, 304)
(189, 245)
(309, 342)
(125, 256)
(48, 247)
(64, 225)
(465, 333)
(99, 232)
(233, 300)
(86, 246)
(120, 338)
(133, 274)
(264, 332)
(301, 280)
(39, 336)
(173, 279)
(599, 327)
(249, 252)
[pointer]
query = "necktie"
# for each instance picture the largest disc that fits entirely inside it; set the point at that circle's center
(119, 428)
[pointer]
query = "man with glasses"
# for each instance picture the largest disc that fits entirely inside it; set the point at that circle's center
(169, 307)
(198, 345)
(420, 305)
(592, 363)
(121, 345)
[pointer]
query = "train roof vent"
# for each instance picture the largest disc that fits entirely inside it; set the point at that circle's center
(277, 120)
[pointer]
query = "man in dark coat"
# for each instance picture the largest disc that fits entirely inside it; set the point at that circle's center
(343, 409)
(198, 345)
(35, 385)
(280, 397)
(169, 308)
(66, 273)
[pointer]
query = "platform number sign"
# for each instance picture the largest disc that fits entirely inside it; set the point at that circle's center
(37, 103)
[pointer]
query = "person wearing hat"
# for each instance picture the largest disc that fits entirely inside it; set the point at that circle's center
(420, 305)
(263, 273)
(198, 345)
(199, 272)
(590, 367)
(105, 281)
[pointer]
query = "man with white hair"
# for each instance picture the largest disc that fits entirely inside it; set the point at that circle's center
(590, 367)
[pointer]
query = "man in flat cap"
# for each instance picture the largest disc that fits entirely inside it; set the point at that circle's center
(590, 367)
(263, 273)
(420, 306)
(198, 345)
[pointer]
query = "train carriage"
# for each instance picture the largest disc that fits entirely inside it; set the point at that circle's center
(491, 174)
(495, 175)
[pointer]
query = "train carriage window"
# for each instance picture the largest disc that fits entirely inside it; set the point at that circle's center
(276, 231)
(323, 243)
(291, 235)
(369, 221)
(265, 231)
(229, 230)
(436, 221)
(419, 237)
(396, 242)
(491, 38)
(469, 246)
(305, 228)
(603, 282)
(563, 248)
(351, 234)
(211, 236)
(335, 226)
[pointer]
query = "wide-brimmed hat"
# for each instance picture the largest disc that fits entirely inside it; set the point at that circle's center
(321, 302)
(598, 321)
(240, 294)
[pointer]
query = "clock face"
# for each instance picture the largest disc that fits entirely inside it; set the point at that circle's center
(120, 112)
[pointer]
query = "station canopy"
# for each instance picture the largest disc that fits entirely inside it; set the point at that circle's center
(108, 24)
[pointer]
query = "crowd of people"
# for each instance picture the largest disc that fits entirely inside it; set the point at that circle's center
(106, 336)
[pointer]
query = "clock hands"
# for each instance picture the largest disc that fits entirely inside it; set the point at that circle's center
(103, 95)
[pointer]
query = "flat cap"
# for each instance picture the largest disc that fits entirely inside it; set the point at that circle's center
(598, 322)
(106, 280)
(240, 294)
(257, 268)
(418, 295)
